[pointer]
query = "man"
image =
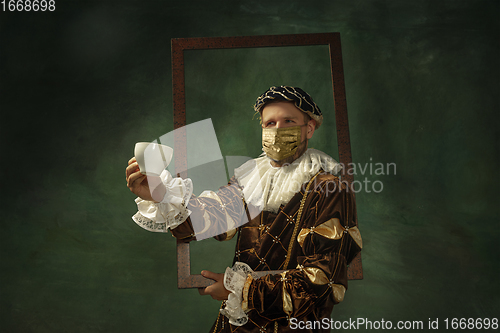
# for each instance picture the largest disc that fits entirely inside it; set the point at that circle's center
(293, 215)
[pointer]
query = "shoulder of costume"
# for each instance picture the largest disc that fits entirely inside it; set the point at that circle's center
(323, 161)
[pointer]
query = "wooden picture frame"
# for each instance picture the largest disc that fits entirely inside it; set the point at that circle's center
(179, 45)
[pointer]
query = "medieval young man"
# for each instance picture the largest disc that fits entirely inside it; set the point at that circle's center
(290, 212)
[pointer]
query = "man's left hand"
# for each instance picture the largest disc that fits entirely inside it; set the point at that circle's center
(216, 290)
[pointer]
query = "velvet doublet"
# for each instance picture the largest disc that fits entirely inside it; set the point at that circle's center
(310, 234)
(314, 252)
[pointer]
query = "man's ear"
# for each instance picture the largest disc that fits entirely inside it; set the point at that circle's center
(311, 126)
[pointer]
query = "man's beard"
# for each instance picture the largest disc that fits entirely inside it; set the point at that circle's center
(301, 149)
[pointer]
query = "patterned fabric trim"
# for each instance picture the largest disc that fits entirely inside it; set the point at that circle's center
(171, 222)
(234, 281)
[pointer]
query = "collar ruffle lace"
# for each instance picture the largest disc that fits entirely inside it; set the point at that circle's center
(267, 187)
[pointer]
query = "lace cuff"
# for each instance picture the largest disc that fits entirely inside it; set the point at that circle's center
(171, 211)
(234, 281)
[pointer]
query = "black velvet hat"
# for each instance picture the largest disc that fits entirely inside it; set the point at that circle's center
(299, 97)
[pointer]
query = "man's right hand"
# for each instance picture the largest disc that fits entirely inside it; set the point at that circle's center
(145, 187)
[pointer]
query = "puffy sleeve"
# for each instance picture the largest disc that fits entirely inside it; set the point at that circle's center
(214, 214)
(327, 239)
(171, 211)
(189, 217)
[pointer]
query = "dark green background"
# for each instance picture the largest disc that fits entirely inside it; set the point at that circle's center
(81, 85)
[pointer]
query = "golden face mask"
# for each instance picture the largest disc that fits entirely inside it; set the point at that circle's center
(280, 143)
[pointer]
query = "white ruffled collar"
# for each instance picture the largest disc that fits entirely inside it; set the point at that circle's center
(267, 187)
